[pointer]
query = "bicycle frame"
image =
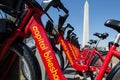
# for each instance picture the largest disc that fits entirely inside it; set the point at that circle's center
(45, 50)
(74, 50)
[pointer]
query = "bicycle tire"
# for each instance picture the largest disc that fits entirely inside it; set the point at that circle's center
(97, 57)
(59, 57)
(96, 62)
(115, 73)
(23, 53)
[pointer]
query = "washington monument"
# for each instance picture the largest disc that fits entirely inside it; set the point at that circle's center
(86, 24)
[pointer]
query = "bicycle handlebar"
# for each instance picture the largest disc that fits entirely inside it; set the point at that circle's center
(64, 28)
(61, 21)
(57, 4)
(60, 5)
(68, 25)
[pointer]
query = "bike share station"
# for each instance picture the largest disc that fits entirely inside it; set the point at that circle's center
(32, 50)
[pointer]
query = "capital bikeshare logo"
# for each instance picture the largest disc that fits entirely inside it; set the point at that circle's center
(47, 56)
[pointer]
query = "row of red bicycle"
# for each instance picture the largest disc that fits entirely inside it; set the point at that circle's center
(17, 59)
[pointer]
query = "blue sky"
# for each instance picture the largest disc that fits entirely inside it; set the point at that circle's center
(99, 12)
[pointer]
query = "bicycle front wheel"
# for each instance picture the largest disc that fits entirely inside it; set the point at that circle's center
(115, 73)
(25, 66)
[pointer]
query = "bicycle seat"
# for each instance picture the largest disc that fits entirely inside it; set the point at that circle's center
(114, 24)
(92, 41)
(102, 36)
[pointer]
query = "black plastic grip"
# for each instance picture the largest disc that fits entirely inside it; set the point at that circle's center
(61, 6)
(56, 4)
(61, 21)
(70, 26)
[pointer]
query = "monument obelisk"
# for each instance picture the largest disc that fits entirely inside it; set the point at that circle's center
(86, 24)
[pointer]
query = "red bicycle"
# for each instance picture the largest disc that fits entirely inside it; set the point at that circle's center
(114, 74)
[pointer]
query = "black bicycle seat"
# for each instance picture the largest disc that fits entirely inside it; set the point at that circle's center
(92, 41)
(102, 36)
(114, 24)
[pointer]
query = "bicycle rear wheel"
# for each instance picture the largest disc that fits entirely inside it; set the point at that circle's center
(97, 61)
(115, 73)
(25, 66)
